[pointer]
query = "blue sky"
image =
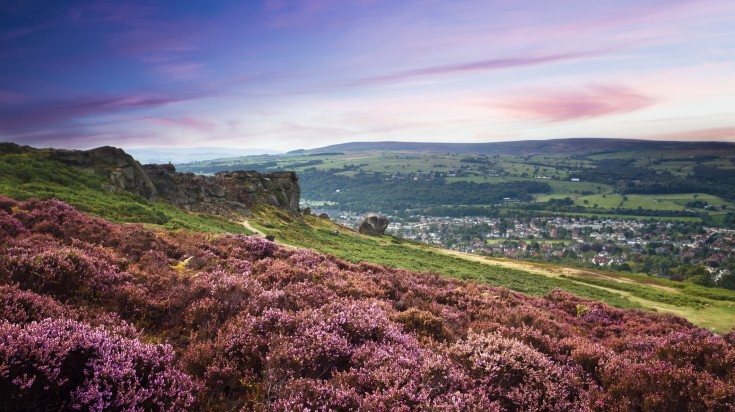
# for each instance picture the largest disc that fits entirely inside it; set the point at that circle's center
(283, 75)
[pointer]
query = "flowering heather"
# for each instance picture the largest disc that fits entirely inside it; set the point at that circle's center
(63, 364)
(252, 326)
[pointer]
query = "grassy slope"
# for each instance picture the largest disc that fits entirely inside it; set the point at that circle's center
(708, 307)
(27, 175)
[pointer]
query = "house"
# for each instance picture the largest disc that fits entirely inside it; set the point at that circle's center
(601, 260)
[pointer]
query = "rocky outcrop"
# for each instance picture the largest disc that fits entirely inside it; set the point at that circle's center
(123, 171)
(373, 225)
(227, 194)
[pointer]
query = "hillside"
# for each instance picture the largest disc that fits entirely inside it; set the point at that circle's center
(575, 146)
(664, 209)
(598, 176)
(32, 174)
(134, 317)
(193, 319)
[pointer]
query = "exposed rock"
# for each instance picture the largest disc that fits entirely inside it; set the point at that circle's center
(227, 194)
(122, 170)
(373, 225)
(324, 216)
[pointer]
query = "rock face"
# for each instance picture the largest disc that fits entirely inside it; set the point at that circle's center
(226, 194)
(124, 172)
(373, 225)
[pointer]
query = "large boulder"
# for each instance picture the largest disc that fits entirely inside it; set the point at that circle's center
(373, 225)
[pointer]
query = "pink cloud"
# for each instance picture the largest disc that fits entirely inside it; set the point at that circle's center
(474, 66)
(723, 133)
(564, 105)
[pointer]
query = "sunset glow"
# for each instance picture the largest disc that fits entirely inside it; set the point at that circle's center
(283, 75)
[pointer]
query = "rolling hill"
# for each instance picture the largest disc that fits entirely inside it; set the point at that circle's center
(194, 316)
(572, 146)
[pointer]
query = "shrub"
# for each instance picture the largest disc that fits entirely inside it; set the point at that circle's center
(65, 272)
(63, 364)
(518, 376)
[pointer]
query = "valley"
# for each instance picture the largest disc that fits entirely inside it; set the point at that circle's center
(189, 283)
(665, 210)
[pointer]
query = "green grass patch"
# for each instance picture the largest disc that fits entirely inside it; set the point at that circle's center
(325, 237)
(28, 175)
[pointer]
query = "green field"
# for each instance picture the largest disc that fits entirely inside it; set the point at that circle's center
(595, 191)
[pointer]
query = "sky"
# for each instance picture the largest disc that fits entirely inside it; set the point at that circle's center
(291, 74)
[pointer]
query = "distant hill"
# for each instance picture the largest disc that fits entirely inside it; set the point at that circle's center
(580, 146)
(157, 155)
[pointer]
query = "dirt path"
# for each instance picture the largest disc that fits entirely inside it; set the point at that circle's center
(548, 270)
(551, 271)
(250, 227)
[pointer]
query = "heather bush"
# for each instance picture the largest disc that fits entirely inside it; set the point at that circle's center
(10, 227)
(252, 247)
(518, 376)
(260, 327)
(20, 306)
(65, 272)
(654, 385)
(135, 241)
(63, 364)
(699, 350)
(63, 221)
(6, 204)
(423, 323)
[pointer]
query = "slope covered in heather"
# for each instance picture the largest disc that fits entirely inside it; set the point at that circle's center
(128, 316)
(26, 173)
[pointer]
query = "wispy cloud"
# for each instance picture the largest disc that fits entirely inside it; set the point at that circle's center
(193, 123)
(583, 103)
(475, 66)
(38, 116)
(8, 97)
(25, 31)
(111, 11)
(181, 71)
(298, 13)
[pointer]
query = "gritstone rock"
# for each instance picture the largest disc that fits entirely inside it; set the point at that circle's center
(373, 225)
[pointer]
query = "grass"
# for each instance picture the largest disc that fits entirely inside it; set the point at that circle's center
(607, 214)
(606, 201)
(28, 175)
(708, 307)
(326, 237)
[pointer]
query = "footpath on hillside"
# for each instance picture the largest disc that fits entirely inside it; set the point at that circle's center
(699, 316)
(250, 227)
